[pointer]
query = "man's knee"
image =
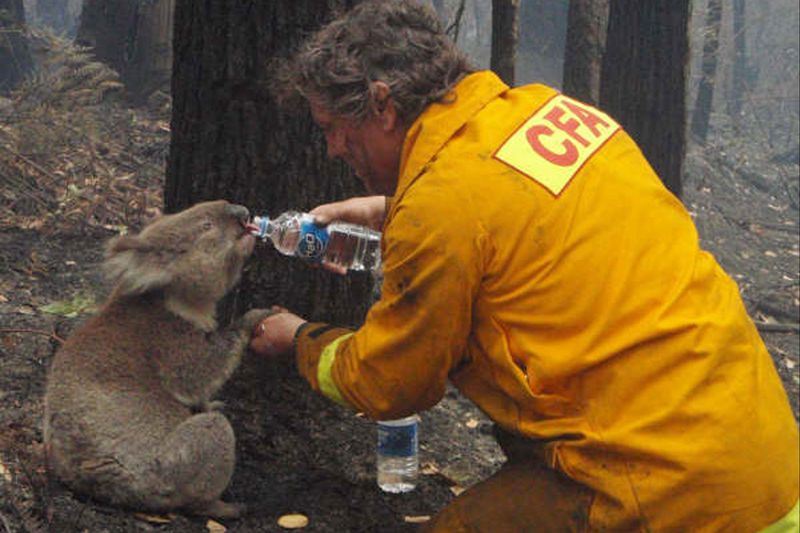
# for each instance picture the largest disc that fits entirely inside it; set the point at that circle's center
(519, 497)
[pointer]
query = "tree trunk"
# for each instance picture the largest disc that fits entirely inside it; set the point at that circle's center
(438, 5)
(739, 82)
(480, 22)
(705, 91)
(53, 14)
(107, 26)
(150, 64)
(644, 77)
(230, 141)
(132, 37)
(587, 22)
(505, 32)
(15, 56)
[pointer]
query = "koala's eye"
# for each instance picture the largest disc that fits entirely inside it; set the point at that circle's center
(208, 225)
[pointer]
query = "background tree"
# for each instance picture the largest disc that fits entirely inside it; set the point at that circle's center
(644, 77)
(583, 57)
(705, 92)
(150, 65)
(542, 35)
(15, 56)
(481, 26)
(230, 141)
(440, 8)
(739, 81)
(134, 38)
(505, 33)
(54, 14)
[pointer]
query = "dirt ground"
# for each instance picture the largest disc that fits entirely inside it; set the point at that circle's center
(297, 452)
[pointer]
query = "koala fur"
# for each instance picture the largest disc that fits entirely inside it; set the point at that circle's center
(128, 412)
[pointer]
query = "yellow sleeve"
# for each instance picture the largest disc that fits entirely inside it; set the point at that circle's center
(315, 346)
(397, 363)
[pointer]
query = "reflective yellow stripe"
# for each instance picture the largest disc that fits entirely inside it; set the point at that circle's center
(787, 524)
(324, 377)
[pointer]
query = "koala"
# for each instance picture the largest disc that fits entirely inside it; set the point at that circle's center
(128, 413)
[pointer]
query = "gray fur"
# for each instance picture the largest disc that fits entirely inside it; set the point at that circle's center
(128, 411)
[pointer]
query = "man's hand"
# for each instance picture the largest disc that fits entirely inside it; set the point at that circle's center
(274, 336)
(367, 211)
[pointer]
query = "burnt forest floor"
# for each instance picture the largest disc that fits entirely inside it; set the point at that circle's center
(78, 173)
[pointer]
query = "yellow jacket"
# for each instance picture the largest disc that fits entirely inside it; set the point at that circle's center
(533, 257)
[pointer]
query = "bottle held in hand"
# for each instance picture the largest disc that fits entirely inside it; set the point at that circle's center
(397, 454)
(338, 244)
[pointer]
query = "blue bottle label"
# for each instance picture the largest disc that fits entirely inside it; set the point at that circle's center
(313, 241)
(397, 441)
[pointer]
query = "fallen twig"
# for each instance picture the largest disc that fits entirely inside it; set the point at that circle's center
(36, 166)
(777, 327)
(52, 334)
(4, 520)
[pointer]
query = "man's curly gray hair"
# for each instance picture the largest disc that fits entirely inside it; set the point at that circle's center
(398, 42)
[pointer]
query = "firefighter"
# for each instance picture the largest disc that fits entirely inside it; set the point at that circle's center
(533, 258)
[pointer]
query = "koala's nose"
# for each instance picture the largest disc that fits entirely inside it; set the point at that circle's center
(239, 212)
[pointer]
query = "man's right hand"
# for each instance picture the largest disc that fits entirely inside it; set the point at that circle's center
(367, 211)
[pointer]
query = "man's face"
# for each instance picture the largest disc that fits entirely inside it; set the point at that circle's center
(368, 146)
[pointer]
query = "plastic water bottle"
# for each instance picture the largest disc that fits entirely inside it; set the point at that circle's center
(340, 244)
(397, 454)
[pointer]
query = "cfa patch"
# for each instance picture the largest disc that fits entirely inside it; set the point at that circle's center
(553, 145)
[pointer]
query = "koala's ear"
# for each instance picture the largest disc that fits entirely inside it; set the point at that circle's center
(133, 266)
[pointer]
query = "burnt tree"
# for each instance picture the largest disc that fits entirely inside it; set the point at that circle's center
(740, 70)
(441, 10)
(704, 103)
(587, 21)
(150, 63)
(505, 33)
(479, 14)
(107, 26)
(134, 38)
(15, 56)
(644, 78)
(229, 140)
(54, 14)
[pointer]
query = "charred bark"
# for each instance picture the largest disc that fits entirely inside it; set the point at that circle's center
(54, 14)
(587, 21)
(505, 33)
(106, 26)
(705, 91)
(441, 11)
(15, 56)
(150, 65)
(132, 37)
(229, 140)
(739, 82)
(644, 77)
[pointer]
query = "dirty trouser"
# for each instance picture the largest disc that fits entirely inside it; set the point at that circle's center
(524, 495)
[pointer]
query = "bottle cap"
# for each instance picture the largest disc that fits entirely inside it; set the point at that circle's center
(258, 226)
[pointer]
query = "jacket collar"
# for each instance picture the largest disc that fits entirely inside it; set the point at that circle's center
(441, 120)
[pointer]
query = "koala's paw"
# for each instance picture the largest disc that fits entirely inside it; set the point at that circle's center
(252, 318)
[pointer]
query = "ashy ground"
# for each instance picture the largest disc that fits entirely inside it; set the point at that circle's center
(75, 174)
(297, 452)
